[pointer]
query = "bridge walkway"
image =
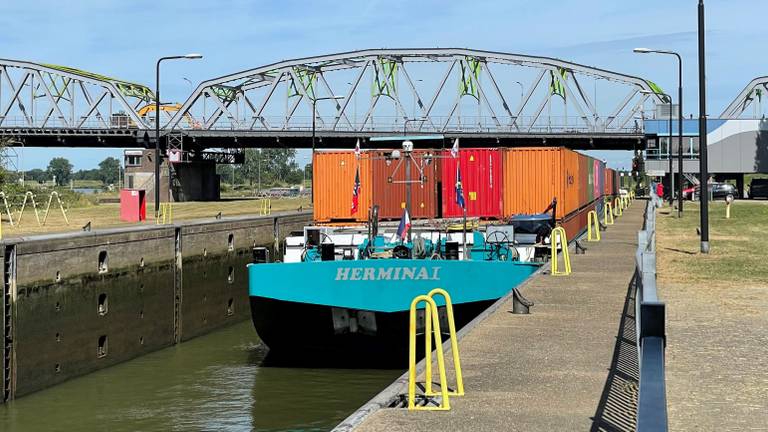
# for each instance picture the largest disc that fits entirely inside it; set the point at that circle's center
(569, 366)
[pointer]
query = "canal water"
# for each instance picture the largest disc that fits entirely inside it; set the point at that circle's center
(216, 382)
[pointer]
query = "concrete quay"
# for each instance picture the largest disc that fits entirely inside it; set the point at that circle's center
(570, 365)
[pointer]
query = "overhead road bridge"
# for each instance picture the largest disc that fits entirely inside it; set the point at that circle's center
(484, 98)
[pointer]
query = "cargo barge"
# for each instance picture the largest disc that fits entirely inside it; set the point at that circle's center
(345, 288)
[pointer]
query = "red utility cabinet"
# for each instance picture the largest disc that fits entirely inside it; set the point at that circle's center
(133, 205)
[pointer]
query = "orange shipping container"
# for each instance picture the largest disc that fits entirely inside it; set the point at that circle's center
(333, 182)
(534, 176)
(389, 190)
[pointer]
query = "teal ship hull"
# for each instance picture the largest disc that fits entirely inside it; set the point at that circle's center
(359, 308)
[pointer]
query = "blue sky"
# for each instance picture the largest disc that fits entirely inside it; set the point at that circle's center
(118, 39)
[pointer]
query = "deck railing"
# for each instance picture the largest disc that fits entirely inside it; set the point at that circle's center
(651, 334)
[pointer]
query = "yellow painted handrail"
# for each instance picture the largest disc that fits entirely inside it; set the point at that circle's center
(608, 213)
(29, 195)
(559, 236)
(165, 216)
(432, 318)
(617, 210)
(61, 206)
(7, 207)
(266, 206)
(454, 346)
(593, 227)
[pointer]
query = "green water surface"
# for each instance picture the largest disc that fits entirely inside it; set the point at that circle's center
(212, 383)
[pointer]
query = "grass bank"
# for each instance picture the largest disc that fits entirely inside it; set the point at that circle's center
(108, 215)
(737, 255)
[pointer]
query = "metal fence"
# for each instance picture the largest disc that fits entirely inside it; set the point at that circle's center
(651, 334)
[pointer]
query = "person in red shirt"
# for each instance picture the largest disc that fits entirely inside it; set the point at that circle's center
(660, 193)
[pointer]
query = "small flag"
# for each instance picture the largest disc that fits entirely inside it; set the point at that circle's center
(557, 82)
(459, 188)
(455, 148)
(405, 225)
(357, 149)
(356, 192)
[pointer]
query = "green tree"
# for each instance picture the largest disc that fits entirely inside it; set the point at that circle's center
(61, 169)
(278, 163)
(109, 170)
(308, 170)
(91, 174)
(36, 174)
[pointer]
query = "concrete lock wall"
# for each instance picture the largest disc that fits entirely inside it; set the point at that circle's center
(83, 301)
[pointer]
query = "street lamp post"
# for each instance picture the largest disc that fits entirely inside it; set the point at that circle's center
(157, 123)
(703, 168)
(314, 115)
(679, 125)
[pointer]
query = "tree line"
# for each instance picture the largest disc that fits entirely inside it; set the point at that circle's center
(61, 170)
(276, 166)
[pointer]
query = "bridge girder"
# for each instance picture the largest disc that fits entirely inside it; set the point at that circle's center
(253, 102)
(44, 96)
(756, 89)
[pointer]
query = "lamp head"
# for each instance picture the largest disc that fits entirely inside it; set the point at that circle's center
(193, 56)
(642, 50)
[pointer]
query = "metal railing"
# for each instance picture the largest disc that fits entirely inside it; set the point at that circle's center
(332, 123)
(651, 333)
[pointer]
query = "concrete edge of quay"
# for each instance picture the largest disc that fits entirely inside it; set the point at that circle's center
(400, 385)
(74, 303)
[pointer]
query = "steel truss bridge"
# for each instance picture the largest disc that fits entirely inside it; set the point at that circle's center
(482, 97)
(749, 99)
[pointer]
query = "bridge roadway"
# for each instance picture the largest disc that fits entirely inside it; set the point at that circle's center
(201, 140)
(569, 366)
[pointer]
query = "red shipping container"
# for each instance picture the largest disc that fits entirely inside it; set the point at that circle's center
(481, 178)
(133, 205)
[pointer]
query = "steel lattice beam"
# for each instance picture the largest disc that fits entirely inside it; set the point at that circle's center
(34, 95)
(310, 77)
(756, 89)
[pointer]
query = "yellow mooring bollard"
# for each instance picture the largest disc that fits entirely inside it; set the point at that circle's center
(558, 236)
(430, 316)
(608, 213)
(593, 235)
(454, 346)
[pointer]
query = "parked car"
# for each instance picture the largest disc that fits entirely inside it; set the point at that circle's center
(688, 192)
(717, 191)
(758, 188)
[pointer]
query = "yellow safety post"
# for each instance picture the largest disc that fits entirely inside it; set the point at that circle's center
(558, 236)
(617, 208)
(61, 206)
(608, 213)
(431, 317)
(31, 196)
(593, 235)
(454, 346)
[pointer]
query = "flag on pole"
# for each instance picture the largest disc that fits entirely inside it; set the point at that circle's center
(459, 188)
(356, 191)
(357, 149)
(455, 148)
(405, 225)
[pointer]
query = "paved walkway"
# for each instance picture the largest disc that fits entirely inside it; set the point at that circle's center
(569, 366)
